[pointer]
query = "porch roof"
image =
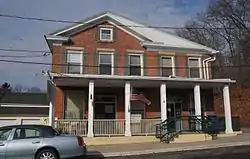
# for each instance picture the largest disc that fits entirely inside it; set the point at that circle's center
(138, 81)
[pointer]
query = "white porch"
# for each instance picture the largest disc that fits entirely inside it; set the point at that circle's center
(114, 127)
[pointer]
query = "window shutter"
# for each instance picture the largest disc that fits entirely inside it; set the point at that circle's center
(85, 63)
(63, 63)
(145, 66)
(97, 34)
(116, 59)
(159, 65)
(114, 34)
(96, 63)
(126, 65)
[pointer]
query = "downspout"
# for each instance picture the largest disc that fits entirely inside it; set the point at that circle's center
(207, 68)
(205, 64)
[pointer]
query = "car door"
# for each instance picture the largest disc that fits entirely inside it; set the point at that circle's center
(4, 137)
(25, 143)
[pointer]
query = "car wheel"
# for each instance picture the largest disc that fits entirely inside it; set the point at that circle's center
(47, 154)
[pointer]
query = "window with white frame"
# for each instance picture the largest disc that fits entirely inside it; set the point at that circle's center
(135, 65)
(74, 61)
(106, 63)
(194, 67)
(167, 66)
(106, 34)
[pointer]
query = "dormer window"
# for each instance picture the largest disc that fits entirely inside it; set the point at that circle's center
(106, 34)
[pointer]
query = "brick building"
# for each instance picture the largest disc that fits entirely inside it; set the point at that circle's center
(110, 68)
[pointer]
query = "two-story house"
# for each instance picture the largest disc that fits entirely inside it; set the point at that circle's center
(115, 74)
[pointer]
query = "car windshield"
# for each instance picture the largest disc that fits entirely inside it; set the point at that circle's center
(4, 134)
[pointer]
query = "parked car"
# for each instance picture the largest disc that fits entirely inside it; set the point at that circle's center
(38, 142)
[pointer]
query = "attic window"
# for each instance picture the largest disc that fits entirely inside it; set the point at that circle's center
(106, 34)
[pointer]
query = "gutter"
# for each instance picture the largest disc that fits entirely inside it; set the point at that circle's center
(205, 64)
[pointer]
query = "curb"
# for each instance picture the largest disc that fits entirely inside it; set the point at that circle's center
(179, 149)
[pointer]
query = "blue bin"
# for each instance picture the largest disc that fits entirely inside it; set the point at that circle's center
(215, 123)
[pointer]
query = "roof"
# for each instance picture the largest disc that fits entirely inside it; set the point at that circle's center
(25, 98)
(154, 36)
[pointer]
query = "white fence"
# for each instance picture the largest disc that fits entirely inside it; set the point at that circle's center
(4, 121)
(107, 127)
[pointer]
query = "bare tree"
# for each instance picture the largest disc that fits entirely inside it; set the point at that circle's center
(21, 88)
(3, 90)
(224, 26)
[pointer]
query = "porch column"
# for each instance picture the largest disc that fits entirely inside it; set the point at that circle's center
(197, 100)
(52, 92)
(91, 109)
(127, 109)
(227, 109)
(163, 96)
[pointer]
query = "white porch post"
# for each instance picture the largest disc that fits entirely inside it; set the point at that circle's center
(127, 109)
(91, 109)
(197, 100)
(51, 103)
(163, 97)
(227, 109)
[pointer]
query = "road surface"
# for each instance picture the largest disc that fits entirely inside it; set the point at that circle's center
(240, 152)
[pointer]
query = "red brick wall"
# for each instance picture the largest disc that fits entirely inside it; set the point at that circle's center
(59, 103)
(122, 42)
(240, 103)
(181, 60)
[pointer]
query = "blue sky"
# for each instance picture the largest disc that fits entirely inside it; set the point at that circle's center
(23, 34)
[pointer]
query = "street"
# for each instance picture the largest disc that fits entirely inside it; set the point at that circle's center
(240, 152)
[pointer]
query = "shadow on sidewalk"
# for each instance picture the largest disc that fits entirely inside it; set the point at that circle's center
(94, 155)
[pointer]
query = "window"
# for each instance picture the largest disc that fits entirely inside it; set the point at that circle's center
(106, 34)
(106, 63)
(167, 68)
(4, 134)
(74, 104)
(26, 133)
(194, 67)
(74, 62)
(135, 62)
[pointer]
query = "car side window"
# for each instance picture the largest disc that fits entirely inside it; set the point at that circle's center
(26, 133)
(4, 134)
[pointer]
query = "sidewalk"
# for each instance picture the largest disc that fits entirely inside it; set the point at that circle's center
(157, 147)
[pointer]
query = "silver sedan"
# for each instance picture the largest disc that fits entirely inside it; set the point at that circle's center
(38, 142)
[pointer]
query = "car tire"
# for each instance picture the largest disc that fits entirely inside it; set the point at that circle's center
(48, 153)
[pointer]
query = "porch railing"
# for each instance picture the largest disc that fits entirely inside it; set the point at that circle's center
(107, 127)
(72, 126)
(144, 126)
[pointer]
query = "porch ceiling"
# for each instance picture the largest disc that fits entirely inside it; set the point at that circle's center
(141, 81)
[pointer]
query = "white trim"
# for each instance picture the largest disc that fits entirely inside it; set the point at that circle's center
(199, 66)
(112, 60)
(141, 61)
(111, 34)
(72, 51)
(140, 39)
(76, 26)
(94, 19)
(172, 61)
(152, 78)
(24, 105)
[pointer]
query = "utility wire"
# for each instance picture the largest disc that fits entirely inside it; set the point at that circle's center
(60, 64)
(79, 22)
(23, 50)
